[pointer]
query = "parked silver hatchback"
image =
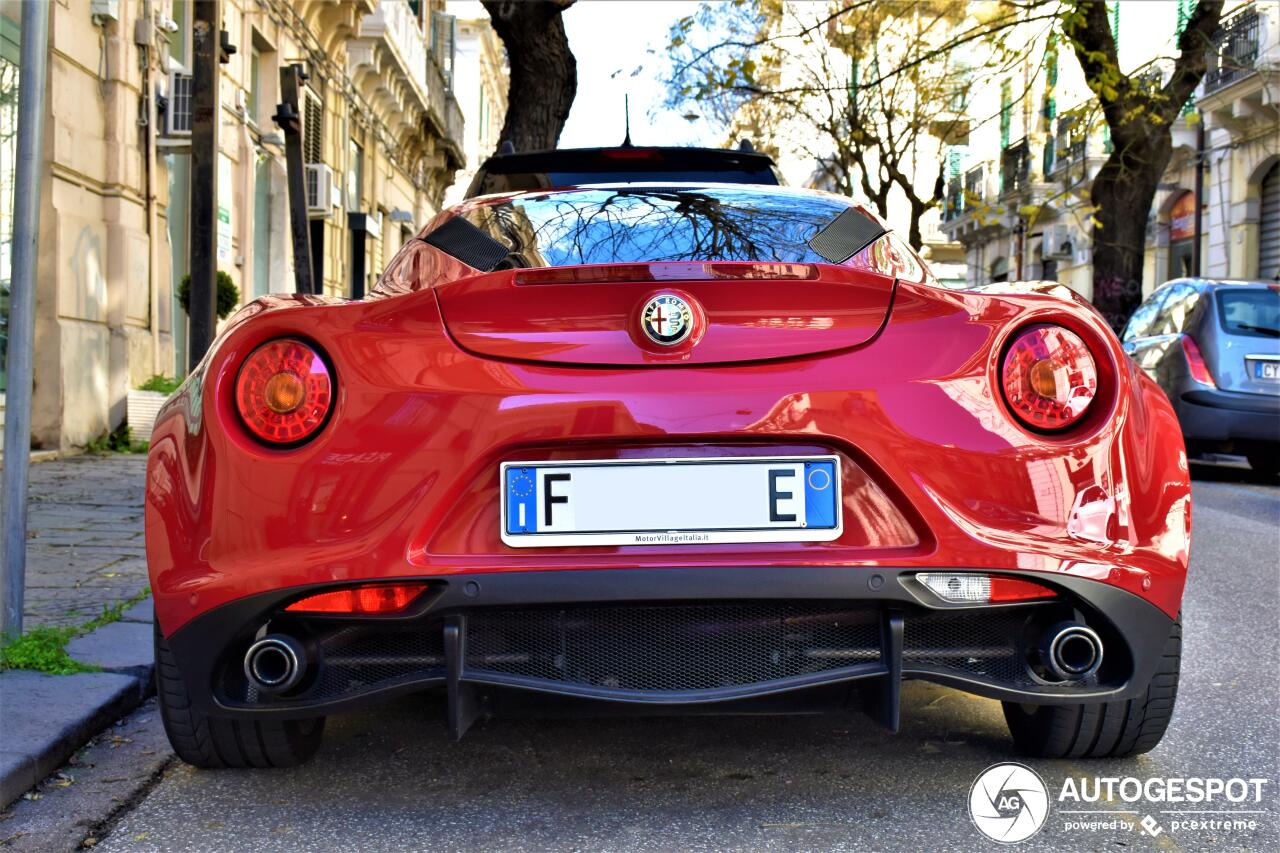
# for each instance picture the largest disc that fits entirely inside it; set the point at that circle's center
(1214, 347)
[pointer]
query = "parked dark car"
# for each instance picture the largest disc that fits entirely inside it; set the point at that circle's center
(1214, 347)
(569, 167)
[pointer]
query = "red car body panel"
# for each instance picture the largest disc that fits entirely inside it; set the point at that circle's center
(901, 383)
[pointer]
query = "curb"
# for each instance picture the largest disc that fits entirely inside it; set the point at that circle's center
(46, 718)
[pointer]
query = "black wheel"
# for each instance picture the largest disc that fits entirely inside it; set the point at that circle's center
(212, 742)
(1102, 729)
(1265, 461)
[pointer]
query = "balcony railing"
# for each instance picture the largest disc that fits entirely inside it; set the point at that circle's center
(395, 22)
(1015, 167)
(954, 206)
(1235, 50)
(974, 186)
(453, 119)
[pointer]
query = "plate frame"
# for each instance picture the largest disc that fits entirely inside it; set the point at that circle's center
(676, 537)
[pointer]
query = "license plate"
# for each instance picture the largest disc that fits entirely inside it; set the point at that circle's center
(671, 501)
(1266, 369)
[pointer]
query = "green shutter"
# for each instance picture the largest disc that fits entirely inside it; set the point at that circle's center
(1006, 112)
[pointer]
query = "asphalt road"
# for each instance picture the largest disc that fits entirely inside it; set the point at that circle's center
(389, 779)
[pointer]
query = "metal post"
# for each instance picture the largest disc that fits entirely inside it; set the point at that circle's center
(1199, 192)
(22, 313)
(289, 117)
(205, 120)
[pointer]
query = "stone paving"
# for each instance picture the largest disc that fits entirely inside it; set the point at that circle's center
(85, 544)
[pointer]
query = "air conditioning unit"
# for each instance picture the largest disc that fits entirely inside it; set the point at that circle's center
(1057, 242)
(177, 111)
(323, 193)
(1083, 255)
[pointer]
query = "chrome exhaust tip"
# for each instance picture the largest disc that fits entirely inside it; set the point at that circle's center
(1071, 651)
(275, 664)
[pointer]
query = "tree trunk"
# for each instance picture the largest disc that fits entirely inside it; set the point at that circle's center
(1139, 116)
(1122, 195)
(544, 73)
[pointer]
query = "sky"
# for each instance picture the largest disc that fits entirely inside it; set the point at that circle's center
(620, 46)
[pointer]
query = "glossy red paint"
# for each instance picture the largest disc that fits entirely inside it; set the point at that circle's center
(402, 481)
(583, 323)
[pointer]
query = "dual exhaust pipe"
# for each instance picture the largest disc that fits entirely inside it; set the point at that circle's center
(1071, 651)
(275, 664)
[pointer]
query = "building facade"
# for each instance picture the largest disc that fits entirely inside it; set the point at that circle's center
(480, 83)
(382, 141)
(1018, 195)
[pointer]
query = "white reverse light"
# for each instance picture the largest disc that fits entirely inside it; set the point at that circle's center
(957, 587)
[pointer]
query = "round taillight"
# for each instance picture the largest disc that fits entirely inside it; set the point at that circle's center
(284, 391)
(1049, 377)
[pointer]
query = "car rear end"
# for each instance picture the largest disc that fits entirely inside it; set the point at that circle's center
(1228, 396)
(841, 477)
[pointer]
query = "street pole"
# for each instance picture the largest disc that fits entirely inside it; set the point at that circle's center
(205, 120)
(22, 313)
(289, 117)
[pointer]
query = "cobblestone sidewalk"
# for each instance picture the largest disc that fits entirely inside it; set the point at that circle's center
(85, 545)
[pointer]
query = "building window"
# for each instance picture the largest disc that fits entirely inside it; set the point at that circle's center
(312, 127)
(254, 96)
(178, 38)
(9, 42)
(443, 38)
(1006, 112)
(355, 175)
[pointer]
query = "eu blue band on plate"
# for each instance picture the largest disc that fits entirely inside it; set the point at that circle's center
(522, 505)
(820, 494)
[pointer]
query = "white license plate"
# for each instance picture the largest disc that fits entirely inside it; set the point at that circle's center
(1265, 369)
(671, 501)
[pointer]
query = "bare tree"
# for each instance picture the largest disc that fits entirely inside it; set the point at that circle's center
(876, 81)
(544, 73)
(1139, 115)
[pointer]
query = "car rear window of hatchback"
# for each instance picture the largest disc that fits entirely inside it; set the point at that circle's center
(653, 224)
(1254, 311)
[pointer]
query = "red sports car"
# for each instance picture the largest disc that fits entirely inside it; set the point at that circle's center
(668, 449)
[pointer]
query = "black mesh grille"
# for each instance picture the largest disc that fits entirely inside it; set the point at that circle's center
(845, 236)
(467, 243)
(985, 643)
(355, 659)
(672, 648)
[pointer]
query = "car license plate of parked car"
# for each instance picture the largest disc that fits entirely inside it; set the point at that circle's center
(671, 501)
(1265, 369)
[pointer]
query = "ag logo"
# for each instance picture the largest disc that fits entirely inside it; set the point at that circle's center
(666, 319)
(1008, 802)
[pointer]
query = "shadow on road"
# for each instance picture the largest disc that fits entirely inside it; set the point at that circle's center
(1213, 471)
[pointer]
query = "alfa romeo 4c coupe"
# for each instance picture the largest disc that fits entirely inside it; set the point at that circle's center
(668, 449)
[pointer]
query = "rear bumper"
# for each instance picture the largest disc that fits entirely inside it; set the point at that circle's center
(1214, 415)
(692, 639)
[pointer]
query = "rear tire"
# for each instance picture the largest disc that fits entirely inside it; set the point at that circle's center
(214, 742)
(1102, 729)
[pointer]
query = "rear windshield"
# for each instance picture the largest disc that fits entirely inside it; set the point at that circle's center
(1254, 312)
(637, 225)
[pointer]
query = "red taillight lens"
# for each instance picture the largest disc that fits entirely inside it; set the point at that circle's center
(284, 391)
(361, 600)
(1195, 362)
(1049, 377)
(1013, 589)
